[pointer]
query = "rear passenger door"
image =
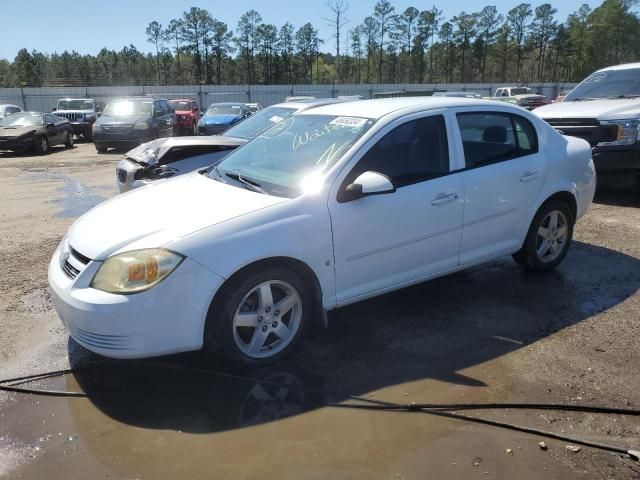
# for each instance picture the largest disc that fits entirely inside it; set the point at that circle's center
(504, 173)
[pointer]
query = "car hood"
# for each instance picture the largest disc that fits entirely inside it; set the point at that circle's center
(151, 153)
(120, 120)
(55, 112)
(600, 109)
(16, 131)
(160, 213)
(219, 119)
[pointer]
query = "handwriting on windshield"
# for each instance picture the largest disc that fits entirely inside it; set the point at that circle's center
(301, 139)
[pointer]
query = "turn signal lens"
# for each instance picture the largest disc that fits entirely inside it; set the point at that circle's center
(135, 271)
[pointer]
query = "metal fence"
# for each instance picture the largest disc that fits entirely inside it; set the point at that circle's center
(45, 98)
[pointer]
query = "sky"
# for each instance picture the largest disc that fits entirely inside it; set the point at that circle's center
(90, 25)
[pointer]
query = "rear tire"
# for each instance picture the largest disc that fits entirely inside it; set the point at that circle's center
(194, 129)
(88, 134)
(259, 317)
(548, 238)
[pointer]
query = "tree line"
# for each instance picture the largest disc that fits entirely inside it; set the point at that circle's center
(523, 44)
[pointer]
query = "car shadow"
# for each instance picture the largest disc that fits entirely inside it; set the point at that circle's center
(435, 330)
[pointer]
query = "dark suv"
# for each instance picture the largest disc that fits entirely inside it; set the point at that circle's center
(128, 122)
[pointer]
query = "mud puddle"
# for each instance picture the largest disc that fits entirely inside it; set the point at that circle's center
(74, 198)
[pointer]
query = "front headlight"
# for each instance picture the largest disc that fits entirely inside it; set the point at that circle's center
(135, 271)
(141, 126)
(628, 131)
(96, 128)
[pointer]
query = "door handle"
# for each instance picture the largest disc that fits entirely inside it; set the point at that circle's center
(444, 198)
(529, 175)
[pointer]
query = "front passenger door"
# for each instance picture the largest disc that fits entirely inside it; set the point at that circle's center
(385, 241)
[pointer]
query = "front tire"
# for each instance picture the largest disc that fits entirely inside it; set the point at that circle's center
(69, 141)
(548, 239)
(41, 145)
(259, 317)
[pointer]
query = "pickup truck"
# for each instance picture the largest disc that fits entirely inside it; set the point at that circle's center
(604, 109)
(521, 96)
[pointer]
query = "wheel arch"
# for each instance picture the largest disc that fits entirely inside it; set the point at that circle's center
(564, 195)
(293, 264)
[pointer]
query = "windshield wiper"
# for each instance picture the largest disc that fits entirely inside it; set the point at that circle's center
(586, 99)
(248, 182)
(623, 96)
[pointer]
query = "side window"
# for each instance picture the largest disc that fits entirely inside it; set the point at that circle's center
(10, 110)
(494, 137)
(412, 152)
(159, 108)
(167, 106)
(525, 135)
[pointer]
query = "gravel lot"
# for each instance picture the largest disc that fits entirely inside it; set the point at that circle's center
(492, 333)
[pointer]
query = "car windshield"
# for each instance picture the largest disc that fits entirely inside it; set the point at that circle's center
(22, 120)
(608, 84)
(283, 159)
(520, 91)
(129, 108)
(224, 110)
(259, 122)
(180, 105)
(75, 104)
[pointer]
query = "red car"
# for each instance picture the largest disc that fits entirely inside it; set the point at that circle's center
(187, 114)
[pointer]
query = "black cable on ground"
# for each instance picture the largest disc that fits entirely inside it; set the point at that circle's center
(438, 409)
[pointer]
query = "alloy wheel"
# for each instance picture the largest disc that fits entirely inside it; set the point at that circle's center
(552, 236)
(267, 319)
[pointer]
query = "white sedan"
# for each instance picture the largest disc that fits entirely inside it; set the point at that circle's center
(328, 207)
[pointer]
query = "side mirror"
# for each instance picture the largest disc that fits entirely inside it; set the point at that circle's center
(368, 183)
(53, 109)
(202, 114)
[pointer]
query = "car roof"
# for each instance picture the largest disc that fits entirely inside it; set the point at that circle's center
(300, 105)
(624, 66)
(227, 103)
(378, 108)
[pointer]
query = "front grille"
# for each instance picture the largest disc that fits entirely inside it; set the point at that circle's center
(116, 129)
(71, 271)
(79, 256)
(68, 268)
(71, 116)
(122, 175)
(107, 342)
(589, 129)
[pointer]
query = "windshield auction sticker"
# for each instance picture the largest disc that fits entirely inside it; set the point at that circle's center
(353, 122)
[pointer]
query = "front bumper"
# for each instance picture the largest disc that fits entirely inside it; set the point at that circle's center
(212, 129)
(81, 128)
(130, 139)
(16, 144)
(612, 159)
(169, 318)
